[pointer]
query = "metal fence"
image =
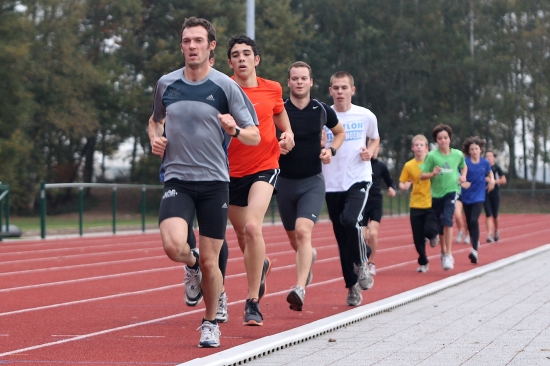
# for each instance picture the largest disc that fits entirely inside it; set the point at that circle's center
(139, 209)
(81, 186)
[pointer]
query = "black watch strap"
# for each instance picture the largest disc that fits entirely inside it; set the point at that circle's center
(333, 150)
(237, 132)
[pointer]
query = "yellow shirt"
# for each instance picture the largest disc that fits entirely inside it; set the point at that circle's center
(420, 194)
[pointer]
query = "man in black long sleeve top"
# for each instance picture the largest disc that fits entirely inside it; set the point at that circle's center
(372, 214)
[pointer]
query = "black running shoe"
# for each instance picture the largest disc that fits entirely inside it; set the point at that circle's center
(252, 315)
(265, 272)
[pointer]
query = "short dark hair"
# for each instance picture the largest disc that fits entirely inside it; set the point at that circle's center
(474, 140)
(196, 22)
(492, 152)
(340, 75)
(299, 64)
(441, 127)
(212, 54)
(242, 39)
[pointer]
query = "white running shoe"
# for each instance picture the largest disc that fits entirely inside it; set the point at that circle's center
(221, 313)
(467, 240)
(460, 237)
(473, 256)
(364, 278)
(447, 262)
(210, 335)
(296, 297)
(434, 241)
(372, 268)
(354, 296)
(192, 281)
(490, 238)
(423, 268)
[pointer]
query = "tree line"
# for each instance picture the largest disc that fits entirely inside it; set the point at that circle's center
(77, 76)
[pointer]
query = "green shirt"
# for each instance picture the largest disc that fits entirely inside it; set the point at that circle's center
(447, 179)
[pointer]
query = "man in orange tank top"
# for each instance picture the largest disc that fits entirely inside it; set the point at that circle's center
(253, 171)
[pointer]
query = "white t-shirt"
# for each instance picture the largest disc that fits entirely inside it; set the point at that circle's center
(346, 167)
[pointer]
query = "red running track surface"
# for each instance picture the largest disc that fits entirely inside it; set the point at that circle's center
(119, 299)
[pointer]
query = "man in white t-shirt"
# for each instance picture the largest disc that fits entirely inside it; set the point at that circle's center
(348, 179)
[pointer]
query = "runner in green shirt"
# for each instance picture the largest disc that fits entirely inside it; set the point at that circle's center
(442, 168)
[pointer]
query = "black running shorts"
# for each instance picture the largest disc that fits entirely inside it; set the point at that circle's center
(300, 198)
(209, 199)
(239, 188)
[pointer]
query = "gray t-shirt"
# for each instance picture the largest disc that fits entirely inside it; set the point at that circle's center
(197, 144)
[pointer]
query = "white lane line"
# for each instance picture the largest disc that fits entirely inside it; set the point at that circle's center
(124, 327)
(77, 246)
(114, 261)
(290, 251)
(65, 335)
(116, 275)
(76, 256)
(84, 301)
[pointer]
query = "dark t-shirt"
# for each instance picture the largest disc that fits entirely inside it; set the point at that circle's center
(379, 171)
(303, 160)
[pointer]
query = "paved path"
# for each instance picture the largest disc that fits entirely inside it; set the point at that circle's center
(499, 318)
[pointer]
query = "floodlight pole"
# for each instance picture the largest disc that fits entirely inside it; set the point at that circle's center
(250, 19)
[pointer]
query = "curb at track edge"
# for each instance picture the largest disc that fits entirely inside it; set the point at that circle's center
(262, 347)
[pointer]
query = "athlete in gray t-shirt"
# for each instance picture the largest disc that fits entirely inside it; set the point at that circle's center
(199, 110)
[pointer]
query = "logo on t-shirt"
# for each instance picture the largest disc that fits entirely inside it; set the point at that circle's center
(354, 130)
(445, 168)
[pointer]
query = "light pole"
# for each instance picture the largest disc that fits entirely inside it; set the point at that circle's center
(250, 19)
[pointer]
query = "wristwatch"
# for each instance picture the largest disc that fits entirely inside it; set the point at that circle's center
(237, 132)
(333, 150)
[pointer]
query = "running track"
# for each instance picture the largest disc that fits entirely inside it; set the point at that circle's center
(115, 300)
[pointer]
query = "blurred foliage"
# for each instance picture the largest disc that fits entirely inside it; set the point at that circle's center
(77, 76)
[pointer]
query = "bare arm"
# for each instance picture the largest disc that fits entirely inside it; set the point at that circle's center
(462, 178)
(405, 185)
(339, 137)
(368, 152)
(158, 142)
(249, 135)
(424, 176)
(286, 141)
